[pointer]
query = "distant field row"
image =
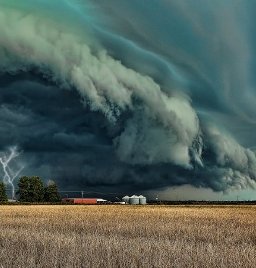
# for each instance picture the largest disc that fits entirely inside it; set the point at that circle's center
(127, 236)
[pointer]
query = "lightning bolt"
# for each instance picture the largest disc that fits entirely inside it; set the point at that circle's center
(9, 174)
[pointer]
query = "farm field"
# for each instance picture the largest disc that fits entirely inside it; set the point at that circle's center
(127, 236)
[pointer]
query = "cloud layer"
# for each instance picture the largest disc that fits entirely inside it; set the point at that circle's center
(91, 103)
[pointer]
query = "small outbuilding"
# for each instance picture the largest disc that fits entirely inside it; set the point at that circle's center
(86, 201)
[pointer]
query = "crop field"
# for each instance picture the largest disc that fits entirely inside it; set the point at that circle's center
(127, 236)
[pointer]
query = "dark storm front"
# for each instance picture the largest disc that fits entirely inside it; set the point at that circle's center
(94, 102)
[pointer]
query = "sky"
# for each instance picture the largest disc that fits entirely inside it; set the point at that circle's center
(122, 97)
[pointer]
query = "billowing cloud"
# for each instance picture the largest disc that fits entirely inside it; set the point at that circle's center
(94, 104)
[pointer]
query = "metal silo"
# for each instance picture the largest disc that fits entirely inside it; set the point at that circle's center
(143, 200)
(126, 199)
(134, 200)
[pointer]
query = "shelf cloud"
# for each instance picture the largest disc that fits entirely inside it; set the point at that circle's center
(130, 95)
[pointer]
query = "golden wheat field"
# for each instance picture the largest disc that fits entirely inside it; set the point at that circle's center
(127, 236)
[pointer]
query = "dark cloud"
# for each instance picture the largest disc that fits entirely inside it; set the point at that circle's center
(151, 99)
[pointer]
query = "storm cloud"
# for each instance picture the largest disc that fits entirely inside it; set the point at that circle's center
(130, 95)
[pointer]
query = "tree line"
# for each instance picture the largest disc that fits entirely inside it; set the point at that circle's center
(32, 189)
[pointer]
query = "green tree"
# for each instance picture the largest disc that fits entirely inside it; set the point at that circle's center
(3, 195)
(51, 193)
(31, 189)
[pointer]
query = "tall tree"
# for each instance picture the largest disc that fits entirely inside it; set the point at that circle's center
(3, 195)
(51, 193)
(23, 190)
(31, 189)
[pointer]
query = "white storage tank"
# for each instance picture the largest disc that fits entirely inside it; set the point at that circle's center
(143, 200)
(126, 199)
(134, 200)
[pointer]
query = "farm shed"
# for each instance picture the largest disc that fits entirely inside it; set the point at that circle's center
(86, 201)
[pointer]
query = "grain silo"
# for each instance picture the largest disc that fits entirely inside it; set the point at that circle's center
(126, 199)
(143, 200)
(134, 200)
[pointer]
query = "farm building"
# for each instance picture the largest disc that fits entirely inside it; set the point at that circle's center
(86, 201)
(135, 200)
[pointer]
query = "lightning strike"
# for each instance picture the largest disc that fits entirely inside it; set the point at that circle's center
(9, 174)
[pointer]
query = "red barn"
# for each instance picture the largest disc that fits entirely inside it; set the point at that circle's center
(86, 201)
